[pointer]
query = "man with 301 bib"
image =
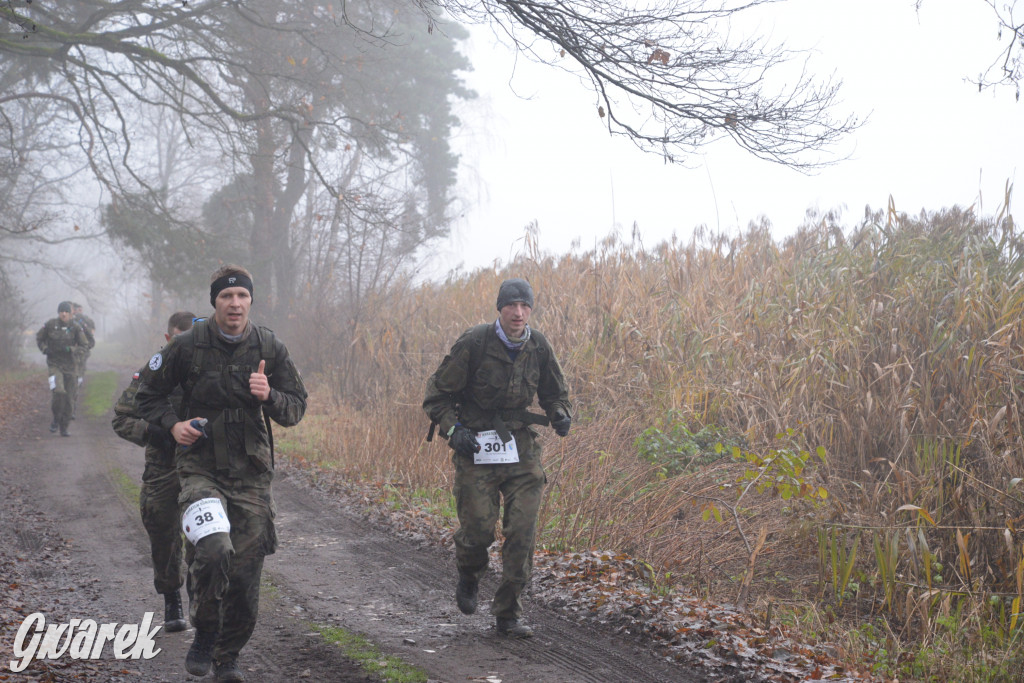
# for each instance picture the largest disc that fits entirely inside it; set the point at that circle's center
(234, 375)
(479, 397)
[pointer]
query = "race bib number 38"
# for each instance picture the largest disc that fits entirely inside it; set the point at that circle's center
(204, 517)
(493, 451)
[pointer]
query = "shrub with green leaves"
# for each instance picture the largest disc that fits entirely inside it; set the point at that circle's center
(677, 450)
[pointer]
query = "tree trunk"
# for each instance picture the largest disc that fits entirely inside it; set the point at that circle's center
(262, 242)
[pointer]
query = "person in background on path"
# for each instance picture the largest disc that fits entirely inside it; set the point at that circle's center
(59, 340)
(82, 352)
(479, 397)
(235, 376)
(158, 499)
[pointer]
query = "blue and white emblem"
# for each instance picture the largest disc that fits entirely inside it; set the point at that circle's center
(155, 362)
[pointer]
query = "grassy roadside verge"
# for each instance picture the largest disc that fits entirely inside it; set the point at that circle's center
(99, 393)
(127, 489)
(369, 657)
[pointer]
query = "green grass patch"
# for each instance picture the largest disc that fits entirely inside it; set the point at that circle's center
(439, 502)
(435, 501)
(369, 658)
(100, 388)
(127, 488)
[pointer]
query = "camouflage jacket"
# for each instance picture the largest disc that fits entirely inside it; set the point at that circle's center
(59, 341)
(129, 426)
(89, 328)
(214, 375)
(478, 380)
(87, 323)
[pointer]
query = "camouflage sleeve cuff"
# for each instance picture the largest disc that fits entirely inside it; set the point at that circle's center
(168, 421)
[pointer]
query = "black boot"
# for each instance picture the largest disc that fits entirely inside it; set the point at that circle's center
(229, 672)
(53, 426)
(200, 655)
(174, 616)
(514, 628)
(465, 594)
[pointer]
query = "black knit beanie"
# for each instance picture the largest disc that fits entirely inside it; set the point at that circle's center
(516, 289)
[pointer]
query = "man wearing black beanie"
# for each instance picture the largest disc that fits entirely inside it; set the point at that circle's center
(479, 398)
(236, 376)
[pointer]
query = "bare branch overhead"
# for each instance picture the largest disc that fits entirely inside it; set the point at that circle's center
(670, 76)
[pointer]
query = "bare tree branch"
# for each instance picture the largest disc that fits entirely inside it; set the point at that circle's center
(1007, 67)
(668, 76)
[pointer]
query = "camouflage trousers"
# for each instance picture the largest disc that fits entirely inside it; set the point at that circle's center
(158, 503)
(81, 356)
(64, 393)
(479, 491)
(225, 568)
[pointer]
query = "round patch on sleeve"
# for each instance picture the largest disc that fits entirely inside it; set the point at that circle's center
(155, 362)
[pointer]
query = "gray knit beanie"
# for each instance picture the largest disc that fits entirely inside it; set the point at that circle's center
(516, 289)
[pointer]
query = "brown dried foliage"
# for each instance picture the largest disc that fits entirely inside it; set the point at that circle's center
(896, 345)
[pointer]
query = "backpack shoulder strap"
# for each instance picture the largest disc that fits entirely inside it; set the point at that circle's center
(200, 342)
(268, 348)
(268, 352)
(478, 335)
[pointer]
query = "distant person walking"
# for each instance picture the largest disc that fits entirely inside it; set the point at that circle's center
(233, 375)
(479, 397)
(59, 339)
(158, 499)
(82, 352)
(89, 327)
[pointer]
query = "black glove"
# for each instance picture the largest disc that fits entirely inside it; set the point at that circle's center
(159, 437)
(463, 442)
(561, 424)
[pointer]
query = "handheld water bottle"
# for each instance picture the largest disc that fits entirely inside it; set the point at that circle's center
(198, 423)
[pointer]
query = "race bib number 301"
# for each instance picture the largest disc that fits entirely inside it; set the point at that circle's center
(493, 451)
(204, 517)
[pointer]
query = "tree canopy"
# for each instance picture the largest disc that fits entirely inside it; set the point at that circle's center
(300, 103)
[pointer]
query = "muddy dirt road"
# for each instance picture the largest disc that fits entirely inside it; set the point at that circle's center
(73, 546)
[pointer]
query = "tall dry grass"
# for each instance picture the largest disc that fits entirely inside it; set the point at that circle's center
(896, 345)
